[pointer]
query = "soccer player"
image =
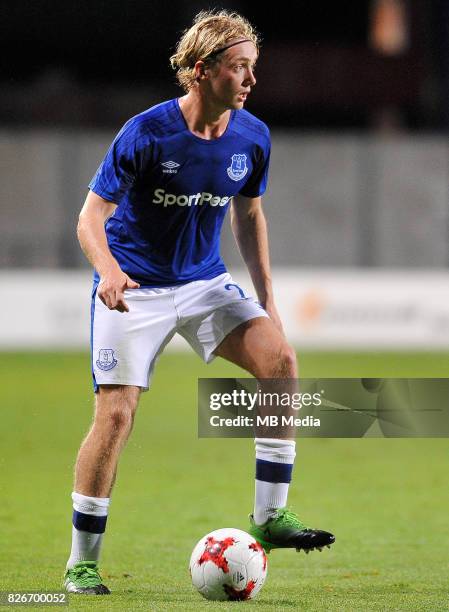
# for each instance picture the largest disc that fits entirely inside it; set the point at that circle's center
(150, 226)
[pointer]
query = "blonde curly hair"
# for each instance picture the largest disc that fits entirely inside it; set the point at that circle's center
(211, 30)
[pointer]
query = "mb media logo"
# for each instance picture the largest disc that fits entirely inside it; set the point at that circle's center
(170, 167)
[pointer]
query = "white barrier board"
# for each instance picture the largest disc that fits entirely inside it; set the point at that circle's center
(320, 308)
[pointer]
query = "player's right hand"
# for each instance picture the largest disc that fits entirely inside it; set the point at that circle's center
(111, 290)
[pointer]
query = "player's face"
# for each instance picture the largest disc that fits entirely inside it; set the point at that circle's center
(232, 79)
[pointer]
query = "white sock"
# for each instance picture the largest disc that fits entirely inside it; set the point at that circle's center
(274, 464)
(89, 523)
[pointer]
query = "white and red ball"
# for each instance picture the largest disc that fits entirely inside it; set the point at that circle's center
(228, 564)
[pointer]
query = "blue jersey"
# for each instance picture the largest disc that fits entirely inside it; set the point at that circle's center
(173, 189)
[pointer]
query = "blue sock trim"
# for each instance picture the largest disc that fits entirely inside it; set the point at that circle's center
(87, 522)
(273, 472)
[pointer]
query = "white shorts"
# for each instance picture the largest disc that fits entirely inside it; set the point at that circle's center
(125, 346)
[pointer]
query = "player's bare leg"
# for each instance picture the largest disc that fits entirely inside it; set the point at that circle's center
(98, 456)
(95, 473)
(259, 347)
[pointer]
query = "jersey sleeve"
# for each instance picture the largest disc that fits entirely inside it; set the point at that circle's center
(122, 164)
(256, 185)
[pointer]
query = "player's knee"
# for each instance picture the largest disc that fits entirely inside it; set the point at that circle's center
(285, 365)
(120, 421)
(116, 408)
(278, 363)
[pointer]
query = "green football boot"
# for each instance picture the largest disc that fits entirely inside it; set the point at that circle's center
(83, 577)
(285, 530)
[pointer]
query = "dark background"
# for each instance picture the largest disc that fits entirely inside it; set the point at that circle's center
(97, 63)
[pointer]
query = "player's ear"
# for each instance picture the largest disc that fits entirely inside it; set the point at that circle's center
(200, 70)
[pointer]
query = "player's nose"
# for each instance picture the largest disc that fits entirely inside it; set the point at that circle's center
(250, 78)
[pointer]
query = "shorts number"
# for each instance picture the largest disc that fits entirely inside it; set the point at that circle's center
(229, 285)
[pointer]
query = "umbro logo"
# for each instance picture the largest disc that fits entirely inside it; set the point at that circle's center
(170, 167)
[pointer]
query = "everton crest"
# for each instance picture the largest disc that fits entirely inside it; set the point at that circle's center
(238, 168)
(106, 360)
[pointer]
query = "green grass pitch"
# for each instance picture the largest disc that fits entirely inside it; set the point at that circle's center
(386, 500)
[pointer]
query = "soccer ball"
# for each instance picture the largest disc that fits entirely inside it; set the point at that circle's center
(228, 564)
